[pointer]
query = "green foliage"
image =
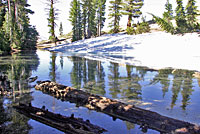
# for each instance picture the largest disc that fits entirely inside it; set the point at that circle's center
(91, 16)
(132, 9)
(101, 6)
(51, 19)
(142, 27)
(16, 33)
(115, 14)
(185, 19)
(168, 14)
(76, 20)
(4, 43)
(130, 30)
(2, 14)
(180, 18)
(164, 24)
(191, 14)
(61, 29)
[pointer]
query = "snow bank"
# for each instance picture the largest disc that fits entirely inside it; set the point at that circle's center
(155, 50)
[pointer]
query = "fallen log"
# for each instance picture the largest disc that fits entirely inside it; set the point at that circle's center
(70, 125)
(145, 118)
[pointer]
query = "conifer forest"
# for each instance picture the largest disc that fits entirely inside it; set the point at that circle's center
(99, 66)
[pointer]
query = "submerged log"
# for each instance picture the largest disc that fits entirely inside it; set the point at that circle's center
(145, 118)
(70, 125)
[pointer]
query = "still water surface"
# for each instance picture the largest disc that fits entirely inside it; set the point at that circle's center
(170, 92)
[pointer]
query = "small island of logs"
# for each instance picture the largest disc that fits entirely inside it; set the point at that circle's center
(145, 118)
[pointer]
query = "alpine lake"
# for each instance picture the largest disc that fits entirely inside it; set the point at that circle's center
(170, 92)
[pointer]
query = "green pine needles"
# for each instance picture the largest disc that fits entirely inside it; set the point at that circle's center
(76, 21)
(51, 20)
(185, 18)
(15, 31)
(115, 14)
(87, 18)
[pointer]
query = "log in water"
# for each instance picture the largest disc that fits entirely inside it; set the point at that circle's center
(145, 118)
(70, 125)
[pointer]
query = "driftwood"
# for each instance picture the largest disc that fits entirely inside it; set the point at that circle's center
(145, 118)
(70, 125)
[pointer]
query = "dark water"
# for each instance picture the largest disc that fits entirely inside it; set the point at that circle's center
(170, 92)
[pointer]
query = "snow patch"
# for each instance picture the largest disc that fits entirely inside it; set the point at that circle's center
(155, 50)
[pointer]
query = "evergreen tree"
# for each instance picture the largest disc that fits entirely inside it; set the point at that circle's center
(84, 18)
(115, 14)
(51, 20)
(165, 25)
(61, 29)
(168, 14)
(91, 24)
(27, 33)
(180, 17)
(89, 8)
(79, 22)
(16, 29)
(165, 22)
(191, 13)
(132, 9)
(101, 6)
(4, 45)
(75, 18)
(2, 13)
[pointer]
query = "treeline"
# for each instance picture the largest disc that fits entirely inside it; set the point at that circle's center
(88, 16)
(185, 18)
(15, 31)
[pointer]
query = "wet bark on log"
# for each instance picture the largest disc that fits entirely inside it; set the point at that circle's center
(70, 125)
(145, 118)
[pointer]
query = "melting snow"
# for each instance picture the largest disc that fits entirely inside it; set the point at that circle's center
(155, 50)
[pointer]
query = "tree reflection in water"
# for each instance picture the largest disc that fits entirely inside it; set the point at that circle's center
(18, 68)
(88, 74)
(114, 85)
(181, 82)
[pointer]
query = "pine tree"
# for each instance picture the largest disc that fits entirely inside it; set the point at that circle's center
(166, 26)
(61, 29)
(75, 18)
(168, 14)
(115, 14)
(51, 19)
(89, 18)
(180, 17)
(16, 29)
(4, 45)
(84, 18)
(91, 24)
(191, 13)
(132, 9)
(27, 34)
(2, 13)
(101, 6)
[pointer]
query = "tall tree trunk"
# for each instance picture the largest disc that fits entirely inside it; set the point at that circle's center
(99, 28)
(89, 28)
(129, 21)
